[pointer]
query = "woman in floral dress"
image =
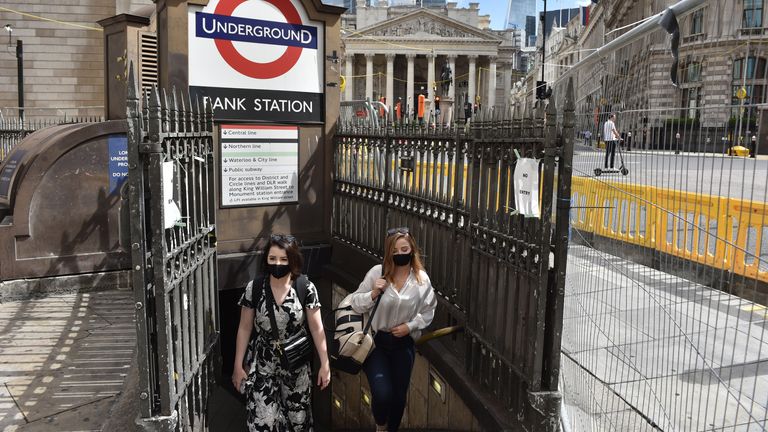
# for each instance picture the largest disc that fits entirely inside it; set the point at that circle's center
(278, 399)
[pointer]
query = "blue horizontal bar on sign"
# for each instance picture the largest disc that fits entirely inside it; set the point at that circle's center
(239, 29)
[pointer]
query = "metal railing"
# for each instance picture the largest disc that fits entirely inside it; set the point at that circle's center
(13, 130)
(497, 272)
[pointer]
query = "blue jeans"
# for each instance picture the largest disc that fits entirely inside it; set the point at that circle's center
(388, 369)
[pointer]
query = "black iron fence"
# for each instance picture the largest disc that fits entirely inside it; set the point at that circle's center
(498, 273)
(13, 130)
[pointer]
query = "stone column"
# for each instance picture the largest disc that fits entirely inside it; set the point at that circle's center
(349, 72)
(507, 82)
(472, 79)
(172, 44)
(369, 76)
(409, 89)
(390, 80)
(431, 79)
(491, 82)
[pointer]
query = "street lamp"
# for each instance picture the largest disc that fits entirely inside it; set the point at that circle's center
(19, 68)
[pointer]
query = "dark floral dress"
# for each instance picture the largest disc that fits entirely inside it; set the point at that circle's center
(278, 400)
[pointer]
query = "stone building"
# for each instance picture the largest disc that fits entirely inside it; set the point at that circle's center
(398, 52)
(722, 49)
(63, 55)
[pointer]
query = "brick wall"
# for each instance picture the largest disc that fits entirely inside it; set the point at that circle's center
(63, 65)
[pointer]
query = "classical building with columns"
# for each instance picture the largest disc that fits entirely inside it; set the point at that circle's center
(399, 53)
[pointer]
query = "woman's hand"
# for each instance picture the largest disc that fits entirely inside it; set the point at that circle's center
(238, 376)
(378, 287)
(324, 376)
(400, 331)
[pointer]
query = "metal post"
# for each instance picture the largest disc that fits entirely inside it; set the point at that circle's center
(543, 39)
(20, 74)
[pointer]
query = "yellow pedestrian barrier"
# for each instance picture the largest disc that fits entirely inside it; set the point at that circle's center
(720, 232)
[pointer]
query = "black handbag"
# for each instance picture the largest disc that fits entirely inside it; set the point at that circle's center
(295, 351)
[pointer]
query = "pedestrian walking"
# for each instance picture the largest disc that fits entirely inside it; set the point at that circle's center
(273, 349)
(407, 306)
(588, 138)
(610, 136)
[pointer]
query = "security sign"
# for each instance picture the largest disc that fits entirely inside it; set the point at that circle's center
(257, 60)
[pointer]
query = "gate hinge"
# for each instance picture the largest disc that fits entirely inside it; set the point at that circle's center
(159, 424)
(150, 148)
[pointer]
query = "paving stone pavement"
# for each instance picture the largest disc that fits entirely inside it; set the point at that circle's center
(63, 360)
(645, 350)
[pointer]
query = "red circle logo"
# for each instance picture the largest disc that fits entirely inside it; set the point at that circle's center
(251, 68)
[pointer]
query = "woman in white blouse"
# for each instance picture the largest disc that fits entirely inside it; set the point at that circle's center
(407, 307)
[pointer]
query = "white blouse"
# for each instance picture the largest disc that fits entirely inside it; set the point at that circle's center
(414, 305)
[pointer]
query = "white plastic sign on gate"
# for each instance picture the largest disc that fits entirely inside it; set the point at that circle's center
(257, 60)
(259, 165)
(171, 212)
(526, 186)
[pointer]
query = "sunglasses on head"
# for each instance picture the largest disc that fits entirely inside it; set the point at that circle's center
(401, 230)
(283, 237)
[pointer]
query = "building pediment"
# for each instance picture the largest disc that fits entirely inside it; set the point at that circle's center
(424, 24)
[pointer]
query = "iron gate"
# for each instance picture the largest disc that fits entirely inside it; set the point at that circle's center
(173, 256)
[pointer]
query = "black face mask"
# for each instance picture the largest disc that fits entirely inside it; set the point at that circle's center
(278, 270)
(402, 259)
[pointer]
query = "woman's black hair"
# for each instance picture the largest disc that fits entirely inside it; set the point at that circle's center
(287, 243)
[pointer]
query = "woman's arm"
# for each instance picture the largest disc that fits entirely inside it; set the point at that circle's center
(363, 298)
(243, 336)
(318, 336)
(426, 312)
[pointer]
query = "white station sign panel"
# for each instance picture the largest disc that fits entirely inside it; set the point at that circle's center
(259, 165)
(257, 60)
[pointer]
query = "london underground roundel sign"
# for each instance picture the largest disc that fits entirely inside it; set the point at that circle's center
(257, 60)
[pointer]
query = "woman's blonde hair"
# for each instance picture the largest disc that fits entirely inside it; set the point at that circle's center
(388, 268)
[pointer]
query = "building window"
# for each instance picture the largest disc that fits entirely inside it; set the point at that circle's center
(692, 73)
(691, 102)
(753, 14)
(755, 68)
(749, 73)
(697, 22)
(755, 94)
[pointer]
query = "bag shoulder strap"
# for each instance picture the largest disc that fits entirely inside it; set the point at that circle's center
(257, 288)
(271, 304)
(376, 306)
(302, 289)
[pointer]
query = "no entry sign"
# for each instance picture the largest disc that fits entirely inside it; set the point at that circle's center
(257, 60)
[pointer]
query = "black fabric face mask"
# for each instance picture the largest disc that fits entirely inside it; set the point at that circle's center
(278, 270)
(402, 259)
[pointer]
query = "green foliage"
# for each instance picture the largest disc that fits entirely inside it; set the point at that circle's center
(747, 123)
(682, 122)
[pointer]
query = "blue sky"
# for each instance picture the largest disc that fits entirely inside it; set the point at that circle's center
(498, 8)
